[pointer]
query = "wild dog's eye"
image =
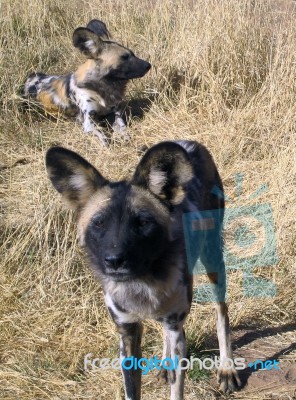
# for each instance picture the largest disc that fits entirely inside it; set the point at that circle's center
(98, 222)
(143, 222)
(125, 56)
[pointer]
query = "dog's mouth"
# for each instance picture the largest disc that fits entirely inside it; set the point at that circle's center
(140, 73)
(121, 276)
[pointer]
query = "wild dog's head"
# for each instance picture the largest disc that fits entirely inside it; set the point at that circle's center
(124, 225)
(111, 59)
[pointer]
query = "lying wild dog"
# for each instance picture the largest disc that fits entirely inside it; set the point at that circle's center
(132, 232)
(97, 87)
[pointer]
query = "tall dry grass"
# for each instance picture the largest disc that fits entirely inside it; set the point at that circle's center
(223, 74)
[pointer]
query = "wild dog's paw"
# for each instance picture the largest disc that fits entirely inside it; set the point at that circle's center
(119, 125)
(102, 138)
(228, 380)
(166, 376)
(125, 136)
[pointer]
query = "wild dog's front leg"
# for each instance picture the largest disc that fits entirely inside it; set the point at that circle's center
(119, 125)
(130, 345)
(90, 127)
(175, 345)
(87, 110)
(163, 373)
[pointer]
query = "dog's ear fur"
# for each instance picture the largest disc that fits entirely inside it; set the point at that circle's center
(88, 42)
(99, 28)
(72, 176)
(165, 170)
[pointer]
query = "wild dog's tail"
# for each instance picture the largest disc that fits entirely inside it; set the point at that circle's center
(32, 83)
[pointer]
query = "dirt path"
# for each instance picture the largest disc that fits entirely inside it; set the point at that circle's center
(275, 344)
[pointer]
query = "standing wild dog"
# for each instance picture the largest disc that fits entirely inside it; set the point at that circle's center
(97, 87)
(132, 232)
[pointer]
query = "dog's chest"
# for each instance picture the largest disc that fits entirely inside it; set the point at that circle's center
(112, 93)
(100, 96)
(135, 301)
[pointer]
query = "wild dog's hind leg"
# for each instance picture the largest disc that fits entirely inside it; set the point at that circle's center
(227, 375)
(212, 258)
(130, 345)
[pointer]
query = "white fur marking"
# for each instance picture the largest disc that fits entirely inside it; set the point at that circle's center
(157, 180)
(78, 182)
(90, 44)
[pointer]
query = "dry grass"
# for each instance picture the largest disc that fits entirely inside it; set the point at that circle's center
(224, 74)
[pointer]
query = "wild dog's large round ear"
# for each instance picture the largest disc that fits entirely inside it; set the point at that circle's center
(99, 28)
(72, 176)
(165, 170)
(87, 42)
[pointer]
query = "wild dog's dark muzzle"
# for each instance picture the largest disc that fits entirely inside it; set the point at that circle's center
(116, 267)
(142, 68)
(131, 69)
(147, 66)
(114, 261)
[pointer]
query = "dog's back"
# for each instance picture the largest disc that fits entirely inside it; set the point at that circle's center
(52, 92)
(33, 83)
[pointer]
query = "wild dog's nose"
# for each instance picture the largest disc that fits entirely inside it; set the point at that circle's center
(114, 260)
(147, 66)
